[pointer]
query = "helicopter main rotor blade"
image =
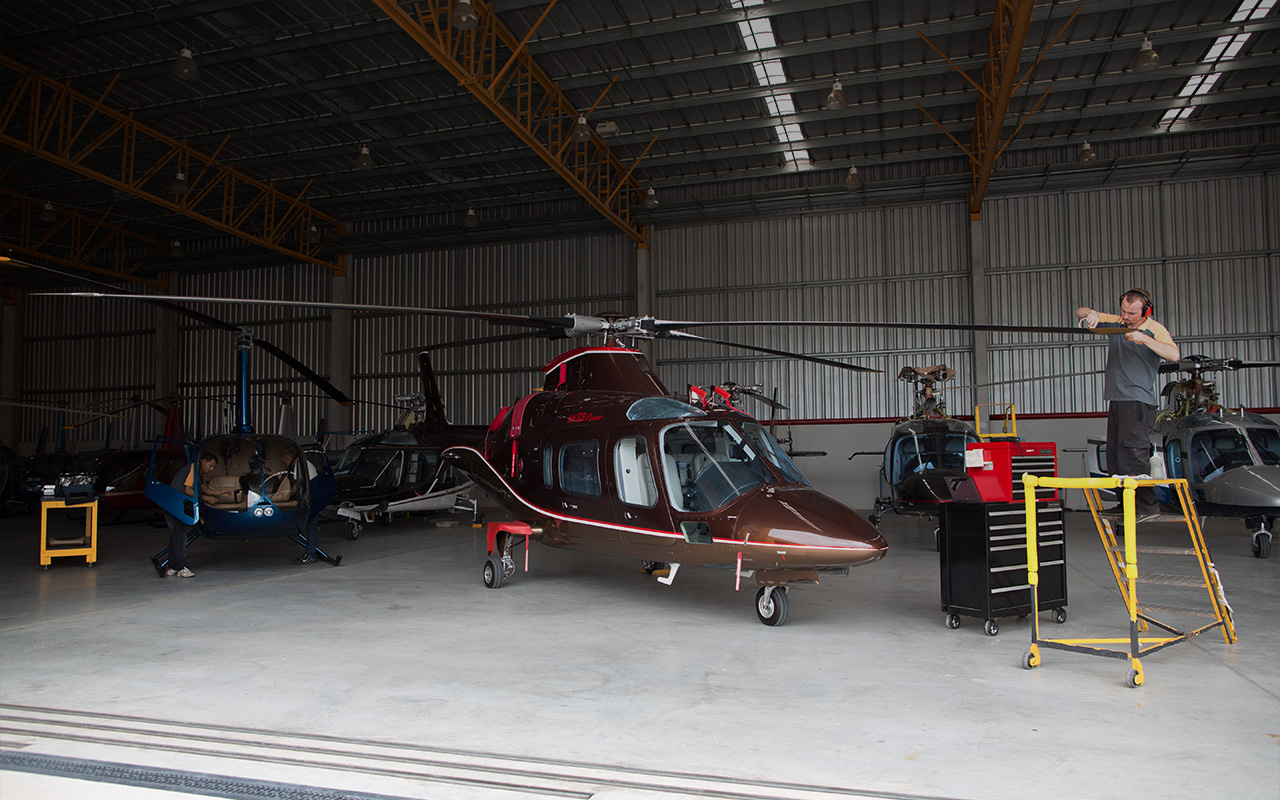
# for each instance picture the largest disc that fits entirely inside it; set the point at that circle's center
(1024, 380)
(4, 401)
(662, 325)
(574, 322)
(681, 335)
(305, 371)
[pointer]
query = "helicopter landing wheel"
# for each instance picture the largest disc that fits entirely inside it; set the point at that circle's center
(478, 521)
(494, 572)
(991, 628)
(384, 519)
(772, 605)
(1262, 544)
(353, 530)
(953, 621)
(874, 519)
(650, 567)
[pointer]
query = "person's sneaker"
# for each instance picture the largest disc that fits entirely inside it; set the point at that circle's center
(179, 573)
(304, 559)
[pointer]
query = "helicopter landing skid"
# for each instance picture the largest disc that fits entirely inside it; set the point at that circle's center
(320, 554)
(161, 560)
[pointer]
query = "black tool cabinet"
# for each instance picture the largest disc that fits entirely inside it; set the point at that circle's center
(982, 550)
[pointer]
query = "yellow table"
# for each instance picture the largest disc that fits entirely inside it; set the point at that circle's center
(86, 545)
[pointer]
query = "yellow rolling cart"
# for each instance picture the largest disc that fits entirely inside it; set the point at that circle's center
(52, 547)
(1123, 557)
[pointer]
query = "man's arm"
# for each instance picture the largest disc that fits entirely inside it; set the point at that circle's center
(1092, 316)
(1168, 350)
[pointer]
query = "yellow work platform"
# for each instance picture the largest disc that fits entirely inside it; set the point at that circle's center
(1122, 554)
(52, 547)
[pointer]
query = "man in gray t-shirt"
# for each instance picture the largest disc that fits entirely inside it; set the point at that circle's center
(1133, 362)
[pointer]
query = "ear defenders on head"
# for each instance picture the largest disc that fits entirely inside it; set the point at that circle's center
(1148, 308)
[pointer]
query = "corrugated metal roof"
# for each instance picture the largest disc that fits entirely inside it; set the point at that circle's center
(296, 87)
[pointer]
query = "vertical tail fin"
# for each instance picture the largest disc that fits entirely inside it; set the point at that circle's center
(433, 415)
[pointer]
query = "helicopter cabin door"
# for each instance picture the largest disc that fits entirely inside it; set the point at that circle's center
(174, 500)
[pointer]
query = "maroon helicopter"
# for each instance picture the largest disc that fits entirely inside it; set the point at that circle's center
(604, 459)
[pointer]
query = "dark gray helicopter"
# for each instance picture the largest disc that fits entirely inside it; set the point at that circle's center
(1230, 457)
(400, 471)
(925, 450)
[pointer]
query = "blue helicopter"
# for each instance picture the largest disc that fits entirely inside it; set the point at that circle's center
(263, 485)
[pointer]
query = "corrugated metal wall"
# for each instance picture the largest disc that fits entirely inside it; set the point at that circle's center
(1207, 250)
(887, 264)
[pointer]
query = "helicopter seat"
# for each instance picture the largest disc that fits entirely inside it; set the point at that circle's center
(283, 497)
(217, 484)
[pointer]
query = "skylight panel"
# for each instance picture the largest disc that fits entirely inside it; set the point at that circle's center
(757, 34)
(1224, 48)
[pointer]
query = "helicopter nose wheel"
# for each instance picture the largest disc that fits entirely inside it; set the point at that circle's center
(353, 530)
(1262, 543)
(772, 605)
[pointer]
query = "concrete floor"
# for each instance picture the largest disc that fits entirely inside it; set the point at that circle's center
(399, 675)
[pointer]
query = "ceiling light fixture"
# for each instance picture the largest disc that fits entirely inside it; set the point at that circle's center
(581, 130)
(184, 67)
(464, 16)
(175, 249)
(179, 184)
(313, 235)
(650, 199)
(364, 160)
(47, 214)
(470, 220)
(1086, 155)
(837, 100)
(853, 180)
(1145, 59)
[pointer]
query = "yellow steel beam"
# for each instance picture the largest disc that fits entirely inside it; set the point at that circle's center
(51, 120)
(77, 239)
(999, 81)
(496, 67)
(1004, 51)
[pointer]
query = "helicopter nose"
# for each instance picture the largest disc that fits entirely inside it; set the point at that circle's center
(1245, 486)
(817, 530)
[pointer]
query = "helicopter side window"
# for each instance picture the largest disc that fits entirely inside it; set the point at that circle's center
(579, 469)
(1267, 442)
(634, 475)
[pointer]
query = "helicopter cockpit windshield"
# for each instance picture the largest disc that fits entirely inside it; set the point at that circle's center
(379, 465)
(1267, 442)
(1213, 452)
(774, 452)
(921, 451)
(707, 463)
